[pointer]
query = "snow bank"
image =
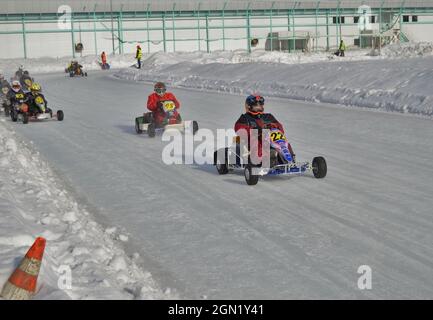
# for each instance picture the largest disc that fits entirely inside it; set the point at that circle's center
(33, 202)
(408, 50)
(48, 65)
(402, 85)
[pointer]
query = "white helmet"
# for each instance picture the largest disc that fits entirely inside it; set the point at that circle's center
(16, 86)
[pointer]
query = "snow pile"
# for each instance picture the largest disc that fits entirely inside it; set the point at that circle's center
(48, 65)
(402, 85)
(34, 203)
(408, 50)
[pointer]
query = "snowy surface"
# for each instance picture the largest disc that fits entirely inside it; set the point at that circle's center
(383, 83)
(121, 211)
(206, 235)
(34, 202)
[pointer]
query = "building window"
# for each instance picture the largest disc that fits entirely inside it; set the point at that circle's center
(355, 19)
(372, 19)
(405, 18)
(414, 18)
(339, 20)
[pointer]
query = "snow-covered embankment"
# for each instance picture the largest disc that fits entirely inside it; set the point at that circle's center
(33, 202)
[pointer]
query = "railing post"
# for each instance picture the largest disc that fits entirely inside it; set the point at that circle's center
(248, 29)
(223, 26)
(207, 34)
(163, 33)
(327, 30)
(72, 35)
(147, 28)
(270, 26)
(198, 27)
(94, 30)
(173, 29)
(24, 37)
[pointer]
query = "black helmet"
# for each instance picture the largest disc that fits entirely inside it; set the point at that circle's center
(252, 101)
(160, 88)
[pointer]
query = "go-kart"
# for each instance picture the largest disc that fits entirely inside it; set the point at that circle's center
(39, 111)
(281, 161)
(172, 120)
(75, 71)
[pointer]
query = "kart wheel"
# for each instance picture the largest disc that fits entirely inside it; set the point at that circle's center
(25, 118)
(250, 178)
(71, 74)
(220, 161)
(60, 115)
(137, 127)
(14, 116)
(151, 130)
(194, 127)
(319, 167)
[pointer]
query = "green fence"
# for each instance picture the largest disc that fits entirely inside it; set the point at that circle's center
(210, 29)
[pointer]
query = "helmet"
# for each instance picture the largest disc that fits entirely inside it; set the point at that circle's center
(252, 101)
(26, 73)
(255, 103)
(160, 88)
(138, 46)
(35, 87)
(16, 86)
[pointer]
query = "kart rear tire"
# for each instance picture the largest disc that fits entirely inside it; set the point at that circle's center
(137, 126)
(60, 115)
(220, 161)
(14, 116)
(319, 167)
(151, 130)
(250, 178)
(25, 118)
(194, 127)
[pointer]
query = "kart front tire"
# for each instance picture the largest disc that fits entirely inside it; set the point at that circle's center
(60, 115)
(319, 167)
(151, 130)
(250, 178)
(14, 116)
(137, 127)
(221, 161)
(194, 127)
(25, 118)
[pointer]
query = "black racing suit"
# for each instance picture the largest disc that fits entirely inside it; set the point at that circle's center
(31, 101)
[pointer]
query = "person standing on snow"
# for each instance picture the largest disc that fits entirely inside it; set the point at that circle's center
(138, 56)
(155, 103)
(104, 60)
(341, 49)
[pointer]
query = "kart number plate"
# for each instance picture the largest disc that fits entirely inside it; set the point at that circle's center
(277, 136)
(39, 100)
(168, 106)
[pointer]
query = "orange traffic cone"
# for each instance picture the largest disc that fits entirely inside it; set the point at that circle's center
(22, 283)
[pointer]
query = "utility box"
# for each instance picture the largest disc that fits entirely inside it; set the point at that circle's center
(288, 41)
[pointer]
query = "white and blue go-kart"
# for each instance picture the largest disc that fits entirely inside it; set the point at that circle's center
(281, 161)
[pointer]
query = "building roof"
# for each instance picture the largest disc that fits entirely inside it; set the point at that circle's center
(52, 6)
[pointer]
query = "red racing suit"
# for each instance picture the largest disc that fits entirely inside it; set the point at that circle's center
(154, 104)
(258, 121)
